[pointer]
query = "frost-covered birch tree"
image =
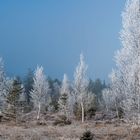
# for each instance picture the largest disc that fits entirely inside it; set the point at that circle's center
(5, 85)
(113, 96)
(40, 90)
(81, 84)
(2, 83)
(128, 62)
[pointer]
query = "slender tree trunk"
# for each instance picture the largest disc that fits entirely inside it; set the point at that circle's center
(82, 107)
(138, 110)
(107, 108)
(38, 114)
(117, 111)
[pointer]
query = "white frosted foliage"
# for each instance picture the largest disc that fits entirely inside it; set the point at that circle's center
(40, 90)
(125, 79)
(81, 84)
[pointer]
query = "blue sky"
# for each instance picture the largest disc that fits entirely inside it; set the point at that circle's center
(53, 33)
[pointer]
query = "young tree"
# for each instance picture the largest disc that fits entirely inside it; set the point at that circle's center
(40, 90)
(90, 104)
(5, 86)
(81, 84)
(116, 93)
(28, 84)
(107, 99)
(14, 95)
(2, 83)
(65, 103)
(54, 93)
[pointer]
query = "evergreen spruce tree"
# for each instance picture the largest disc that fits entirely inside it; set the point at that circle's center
(14, 95)
(64, 95)
(63, 103)
(28, 84)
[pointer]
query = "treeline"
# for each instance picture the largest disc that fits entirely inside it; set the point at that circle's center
(95, 86)
(78, 99)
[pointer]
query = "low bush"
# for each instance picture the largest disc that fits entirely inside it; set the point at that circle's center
(87, 135)
(62, 120)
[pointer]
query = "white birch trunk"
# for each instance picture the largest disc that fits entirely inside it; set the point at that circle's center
(82, 107)
(38, 114)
